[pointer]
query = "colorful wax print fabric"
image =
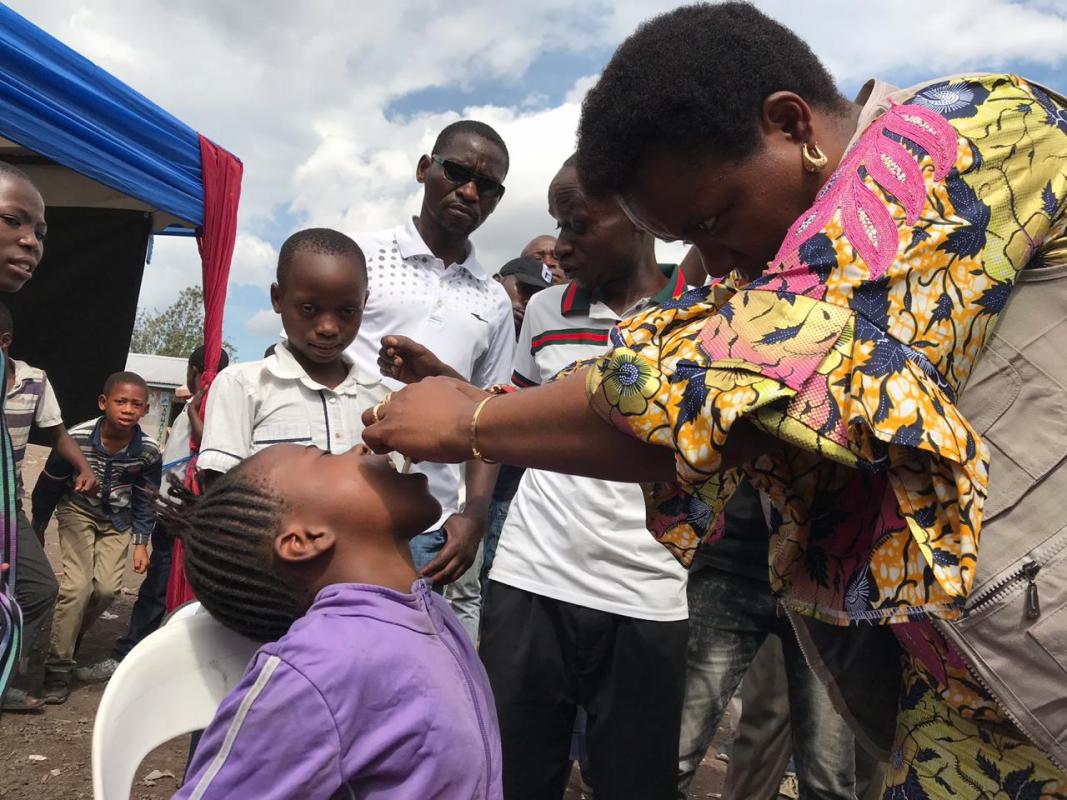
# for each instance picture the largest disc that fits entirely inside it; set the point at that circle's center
(851, 350)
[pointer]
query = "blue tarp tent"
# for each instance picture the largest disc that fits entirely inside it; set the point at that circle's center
(57, 105)
(113, 168)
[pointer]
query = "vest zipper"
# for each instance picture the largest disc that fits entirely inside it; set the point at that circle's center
(1028, 572)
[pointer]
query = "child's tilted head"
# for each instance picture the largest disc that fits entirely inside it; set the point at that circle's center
(320, 292)
(270, 533)
(125, 400)
(22, 228)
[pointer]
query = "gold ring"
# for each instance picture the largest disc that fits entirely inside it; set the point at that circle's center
(374, 412)
(388, 397)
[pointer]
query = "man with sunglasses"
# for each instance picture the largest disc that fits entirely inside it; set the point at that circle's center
(427, 284)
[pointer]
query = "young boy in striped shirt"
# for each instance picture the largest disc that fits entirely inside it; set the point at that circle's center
(95, 531)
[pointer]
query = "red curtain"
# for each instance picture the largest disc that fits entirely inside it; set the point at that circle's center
(221, 173)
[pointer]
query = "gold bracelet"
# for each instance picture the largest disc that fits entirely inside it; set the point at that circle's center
(475, 452)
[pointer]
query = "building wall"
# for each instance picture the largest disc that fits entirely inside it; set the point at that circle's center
(154, 423)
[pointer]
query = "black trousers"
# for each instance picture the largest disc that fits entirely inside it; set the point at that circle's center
(546, 657)
(151, 605)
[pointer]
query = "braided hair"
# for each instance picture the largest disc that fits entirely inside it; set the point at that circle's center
(227, 536)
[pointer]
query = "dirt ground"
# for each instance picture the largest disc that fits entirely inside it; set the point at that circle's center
(47, 756)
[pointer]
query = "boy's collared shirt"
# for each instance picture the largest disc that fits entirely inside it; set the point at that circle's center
(580, 540)
(125, 480)
(29, 402)
(255, 405)
(456, 310)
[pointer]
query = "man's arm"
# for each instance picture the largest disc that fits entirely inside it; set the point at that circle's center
(464, 531)
(50, 488)
(58, 439)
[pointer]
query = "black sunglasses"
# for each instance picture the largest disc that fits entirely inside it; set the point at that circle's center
(461, 175)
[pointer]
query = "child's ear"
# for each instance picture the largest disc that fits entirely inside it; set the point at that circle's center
(6, 339)
(276, 298)
(101, 402)
(296, 544)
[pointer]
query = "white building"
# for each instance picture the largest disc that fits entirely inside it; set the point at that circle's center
(163, 374)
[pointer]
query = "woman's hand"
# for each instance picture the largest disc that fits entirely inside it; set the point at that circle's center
(407, 361)
(427, 421)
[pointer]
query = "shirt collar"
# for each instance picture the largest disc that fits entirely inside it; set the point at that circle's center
(283, 364)
(577, 300)
(23, 372)
(410, 244)
(132, 448)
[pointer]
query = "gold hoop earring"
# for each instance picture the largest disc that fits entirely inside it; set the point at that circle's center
(813, 158)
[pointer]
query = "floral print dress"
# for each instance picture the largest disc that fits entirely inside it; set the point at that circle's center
(851, 349)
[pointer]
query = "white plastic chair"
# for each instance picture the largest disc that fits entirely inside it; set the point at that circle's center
(169, 685)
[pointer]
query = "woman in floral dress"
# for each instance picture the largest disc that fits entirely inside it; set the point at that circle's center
(863, 253)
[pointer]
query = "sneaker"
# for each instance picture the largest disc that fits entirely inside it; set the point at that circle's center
(97, 673)
(56, 689)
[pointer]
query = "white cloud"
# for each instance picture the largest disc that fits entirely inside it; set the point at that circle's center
(254, 261)
(303, 98)
(264, 323)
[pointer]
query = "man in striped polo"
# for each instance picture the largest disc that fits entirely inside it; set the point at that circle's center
(583, 604)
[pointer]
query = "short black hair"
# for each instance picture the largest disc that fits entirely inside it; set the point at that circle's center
(122, 378)
(476, 128)
(227, 537)
(325, 241)
(7, 322)
(11, 171)
(196, 359)
(695, 76)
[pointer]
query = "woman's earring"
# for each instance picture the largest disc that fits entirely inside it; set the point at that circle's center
(814, 159)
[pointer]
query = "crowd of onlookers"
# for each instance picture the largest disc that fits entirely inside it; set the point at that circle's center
(555, 578)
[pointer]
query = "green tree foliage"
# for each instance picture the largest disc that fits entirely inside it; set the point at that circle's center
(176, 330)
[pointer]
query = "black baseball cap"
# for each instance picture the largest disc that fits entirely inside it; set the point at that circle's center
(528, 271)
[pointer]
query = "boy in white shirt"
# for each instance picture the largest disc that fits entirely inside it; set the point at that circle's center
(308, 392)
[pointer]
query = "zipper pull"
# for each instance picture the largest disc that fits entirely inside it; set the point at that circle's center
(1033, 604)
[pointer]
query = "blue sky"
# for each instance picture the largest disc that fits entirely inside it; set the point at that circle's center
(330, 108)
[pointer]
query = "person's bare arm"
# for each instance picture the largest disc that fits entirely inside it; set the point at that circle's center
(192, 411)
(407, 361)
(85, 481)
(552, 427)
(464, 531)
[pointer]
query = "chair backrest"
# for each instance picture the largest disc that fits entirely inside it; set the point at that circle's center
(169, 685)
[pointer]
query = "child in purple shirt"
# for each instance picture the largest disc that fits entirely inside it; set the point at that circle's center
(372, 689)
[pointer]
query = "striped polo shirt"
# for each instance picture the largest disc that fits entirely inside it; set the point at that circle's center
(30, 401)
(125, 480)
(576, 539)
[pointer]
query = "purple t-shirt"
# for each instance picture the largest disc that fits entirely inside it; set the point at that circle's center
(371, 694)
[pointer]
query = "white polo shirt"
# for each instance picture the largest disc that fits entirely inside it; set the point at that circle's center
(254, 405)
(575, 539)
(455, 310)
